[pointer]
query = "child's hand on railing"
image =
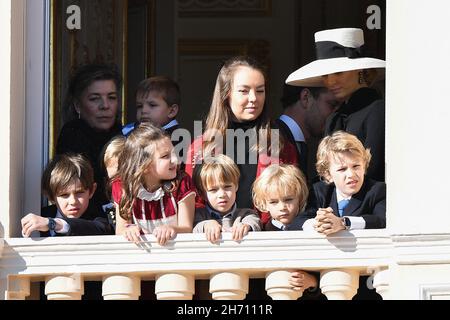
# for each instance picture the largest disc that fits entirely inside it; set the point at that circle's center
(239, 230)
(132, 233)
(164, 233)
(212, 231)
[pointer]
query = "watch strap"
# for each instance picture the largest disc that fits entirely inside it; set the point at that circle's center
(51, 224)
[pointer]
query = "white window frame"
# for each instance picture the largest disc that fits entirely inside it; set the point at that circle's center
(37, 72)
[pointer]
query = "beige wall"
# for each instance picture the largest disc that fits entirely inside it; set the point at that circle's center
(421, 282)
(12, 100)
(417, 116)
(5, 84)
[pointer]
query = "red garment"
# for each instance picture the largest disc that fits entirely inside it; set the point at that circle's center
(288, 155)
(152, 210)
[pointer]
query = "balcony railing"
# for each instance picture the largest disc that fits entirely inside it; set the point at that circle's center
(64, 263)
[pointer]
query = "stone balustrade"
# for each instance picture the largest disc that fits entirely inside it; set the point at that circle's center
(64, 263)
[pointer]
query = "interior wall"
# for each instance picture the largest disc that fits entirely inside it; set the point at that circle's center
(218, 38)
(191, 48)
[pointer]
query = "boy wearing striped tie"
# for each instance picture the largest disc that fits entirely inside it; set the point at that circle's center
(345, 199)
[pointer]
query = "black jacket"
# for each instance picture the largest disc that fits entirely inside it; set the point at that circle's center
(369, 203)
(77, 136)
(81, 226)
(364, 117)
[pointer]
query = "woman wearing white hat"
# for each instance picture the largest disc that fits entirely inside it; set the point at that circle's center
(342, 68)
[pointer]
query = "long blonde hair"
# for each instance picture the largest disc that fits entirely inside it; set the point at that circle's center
(136, 156)
(220, 114)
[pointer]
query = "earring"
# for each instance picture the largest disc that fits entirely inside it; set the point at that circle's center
(361, 78)
(79, 115)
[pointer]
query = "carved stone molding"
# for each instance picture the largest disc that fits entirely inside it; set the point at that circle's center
(257, 48)
(223, 8)
(435, 292)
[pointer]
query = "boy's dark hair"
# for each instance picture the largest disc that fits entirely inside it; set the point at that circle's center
(291, 94)
(82, 78)
(61, 172)
(168, 88)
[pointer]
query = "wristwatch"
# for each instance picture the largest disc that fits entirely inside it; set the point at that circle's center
(51, 224)
(347, 222)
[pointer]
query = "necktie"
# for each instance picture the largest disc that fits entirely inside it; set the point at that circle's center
(341, 206)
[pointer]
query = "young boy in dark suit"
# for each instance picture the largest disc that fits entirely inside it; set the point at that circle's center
(217, 181)
(68, 182)
(281, 190)
(345, 200)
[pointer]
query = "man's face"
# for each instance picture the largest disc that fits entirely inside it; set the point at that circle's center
(320, 109)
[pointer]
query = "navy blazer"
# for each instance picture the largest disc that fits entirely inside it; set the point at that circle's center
(79, 226)
(369, 203)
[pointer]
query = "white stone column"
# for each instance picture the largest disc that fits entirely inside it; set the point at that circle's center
(278, 287)
(339, 284)
(422, 70)
(121, 287)
(64, 287)
(417, 140)
(12, 100)
(175, 286)
(18, 288)
(381, 281)
(228, 286)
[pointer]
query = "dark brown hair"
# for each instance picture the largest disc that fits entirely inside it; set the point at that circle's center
(169, 89)
(82, 78)
(61, 172)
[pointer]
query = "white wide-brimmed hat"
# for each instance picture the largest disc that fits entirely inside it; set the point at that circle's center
(337, 50)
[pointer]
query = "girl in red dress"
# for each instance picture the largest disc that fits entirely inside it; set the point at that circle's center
(151, 196)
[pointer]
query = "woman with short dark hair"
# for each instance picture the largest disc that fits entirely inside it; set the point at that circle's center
(92, 117)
